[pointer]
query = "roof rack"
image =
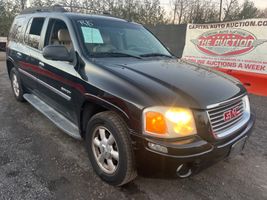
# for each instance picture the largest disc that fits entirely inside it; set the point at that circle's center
(107, 13)
(55, 8)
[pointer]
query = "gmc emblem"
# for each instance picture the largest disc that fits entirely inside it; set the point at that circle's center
(230, 114)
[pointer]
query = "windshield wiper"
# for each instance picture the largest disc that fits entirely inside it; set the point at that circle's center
(155, 54)
(117, 54)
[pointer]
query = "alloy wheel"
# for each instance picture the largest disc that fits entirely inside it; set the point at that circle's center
(15, 84)
(105, 150)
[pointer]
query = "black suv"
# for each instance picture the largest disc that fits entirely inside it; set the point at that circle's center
(112, 83)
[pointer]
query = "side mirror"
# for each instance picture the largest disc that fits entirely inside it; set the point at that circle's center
(57, 52)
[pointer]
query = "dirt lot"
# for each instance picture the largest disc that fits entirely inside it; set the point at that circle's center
(38, 161)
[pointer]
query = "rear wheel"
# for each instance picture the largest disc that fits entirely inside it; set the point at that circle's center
(109, 148)
(16, 84)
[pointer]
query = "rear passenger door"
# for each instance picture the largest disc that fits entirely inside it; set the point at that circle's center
(58, 77)
(29, 66)
(18, 52)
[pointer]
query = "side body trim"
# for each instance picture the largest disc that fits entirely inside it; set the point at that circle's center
(68, 98)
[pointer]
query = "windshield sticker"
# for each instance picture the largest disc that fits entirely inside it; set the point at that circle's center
(92, 35)
(86, 23)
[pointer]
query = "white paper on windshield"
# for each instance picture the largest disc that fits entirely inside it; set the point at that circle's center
(92, 35)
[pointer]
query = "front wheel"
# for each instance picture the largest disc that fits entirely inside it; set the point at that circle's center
(109, 148)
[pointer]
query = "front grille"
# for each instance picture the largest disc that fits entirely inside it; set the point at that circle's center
(219, 125)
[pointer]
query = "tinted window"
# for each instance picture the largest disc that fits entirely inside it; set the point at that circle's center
(34, 30)
(16, 32)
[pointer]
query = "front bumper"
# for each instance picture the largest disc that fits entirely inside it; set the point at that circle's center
(195, 152)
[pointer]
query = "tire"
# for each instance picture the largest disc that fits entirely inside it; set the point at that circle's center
(116, 160)
(16, 85)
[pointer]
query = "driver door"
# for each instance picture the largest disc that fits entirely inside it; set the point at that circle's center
(57, 77)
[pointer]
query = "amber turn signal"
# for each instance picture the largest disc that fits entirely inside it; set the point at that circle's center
(155, 123)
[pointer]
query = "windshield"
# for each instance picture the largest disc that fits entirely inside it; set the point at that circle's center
(106, 38)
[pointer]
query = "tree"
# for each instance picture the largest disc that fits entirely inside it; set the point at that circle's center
(248, 10)
(194, 11)
(8, 10)
(71, 5)
(151, 13)
(263, 13)
(147, 12)
(231, 10)
(23, 4)
(179, 9)
(42, 3)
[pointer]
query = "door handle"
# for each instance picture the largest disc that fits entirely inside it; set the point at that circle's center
(41, 64)
(19, 54)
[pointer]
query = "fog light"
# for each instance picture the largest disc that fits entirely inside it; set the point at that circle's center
(157, 147)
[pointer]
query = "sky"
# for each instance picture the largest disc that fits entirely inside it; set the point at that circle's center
(262, 4)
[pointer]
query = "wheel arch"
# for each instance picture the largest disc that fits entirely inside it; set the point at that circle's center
(9, 65)
(91, 107)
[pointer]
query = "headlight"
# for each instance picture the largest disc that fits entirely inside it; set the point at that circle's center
(167, 122)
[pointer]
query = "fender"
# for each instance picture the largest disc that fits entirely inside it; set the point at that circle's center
(98, 101)
(106, 104)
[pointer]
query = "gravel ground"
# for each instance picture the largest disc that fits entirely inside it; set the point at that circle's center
(38, 161)
(2, 56)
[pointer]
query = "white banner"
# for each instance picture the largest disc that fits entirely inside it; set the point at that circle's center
(3, 39)
(238, 45)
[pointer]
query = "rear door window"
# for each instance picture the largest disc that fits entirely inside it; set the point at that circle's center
(33, 34)
(16, 31)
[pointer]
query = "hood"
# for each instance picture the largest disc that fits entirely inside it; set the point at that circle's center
(171, 82)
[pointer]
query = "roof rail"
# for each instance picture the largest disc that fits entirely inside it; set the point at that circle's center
(106, 13)
(55, 8)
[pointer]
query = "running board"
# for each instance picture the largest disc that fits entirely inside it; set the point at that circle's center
(59, 120)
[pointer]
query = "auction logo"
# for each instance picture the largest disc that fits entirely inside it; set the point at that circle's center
(228, 42)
